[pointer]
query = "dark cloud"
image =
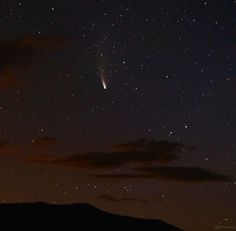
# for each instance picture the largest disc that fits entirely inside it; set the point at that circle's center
(144, 153)
(193, 174)
(180, 174)
(110, 198)
(17, 55)
(144, 145)
(152, 152)
(45, 141)
(137, 145)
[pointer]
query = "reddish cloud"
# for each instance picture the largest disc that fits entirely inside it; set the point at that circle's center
(45, 141)
(41, 158)
(110, 198)
(144, 145)
(8, 149)
(17, 55)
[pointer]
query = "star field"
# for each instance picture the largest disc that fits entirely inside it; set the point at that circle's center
(169, 74)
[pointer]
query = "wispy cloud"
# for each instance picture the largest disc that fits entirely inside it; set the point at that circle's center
(8, 149)
(180, 174)
(110, 198)
(17, 55)
(161, 152)
(142, 159)
(45, 141)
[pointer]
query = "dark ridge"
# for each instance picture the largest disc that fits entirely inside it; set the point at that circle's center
(45, 217)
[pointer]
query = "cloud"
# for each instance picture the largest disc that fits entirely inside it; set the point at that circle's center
(3, 144)
(41, 158)
(17, 55)
(8, 149)
(161, 152)
(193, 174)
(137, 145)
(110, 198)
(140, 158)
(7, 79)
(144, 145)
(180, 174)
(45, 141)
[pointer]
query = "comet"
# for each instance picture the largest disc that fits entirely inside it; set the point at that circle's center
(102, 72)
(103, 78)
(104, 84)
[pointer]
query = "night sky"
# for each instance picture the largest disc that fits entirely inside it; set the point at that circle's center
(127, 105)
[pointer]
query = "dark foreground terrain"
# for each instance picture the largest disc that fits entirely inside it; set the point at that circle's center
(45, 217)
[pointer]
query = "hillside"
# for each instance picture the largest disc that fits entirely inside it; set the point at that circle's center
(45, 217)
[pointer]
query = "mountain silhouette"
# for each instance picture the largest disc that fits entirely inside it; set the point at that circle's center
(84, 217)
